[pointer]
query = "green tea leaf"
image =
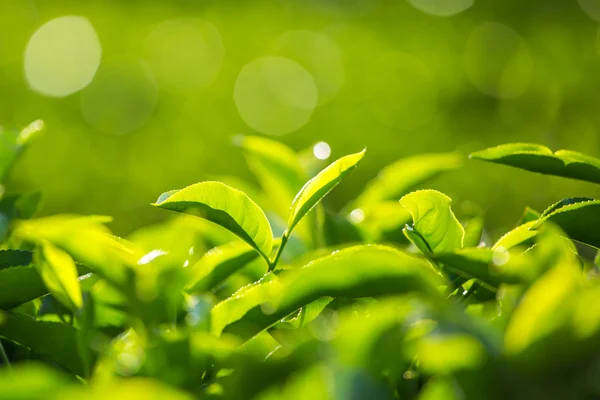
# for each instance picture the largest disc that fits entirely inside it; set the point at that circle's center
(277, 169)
(226, 207)
(13, 143)
(218, 264)
(404, 175)
(21, 284)
(518, 235)
(318, 187)
(53, 341)
(482, 263)
(473, 232)
(579, 220)
(18, 285)
(355, 272)
(538, 158)
(59, 274)
(86, 239)
(31, 381)
(434, 220)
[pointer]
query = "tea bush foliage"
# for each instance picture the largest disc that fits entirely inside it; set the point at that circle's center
(269, 294)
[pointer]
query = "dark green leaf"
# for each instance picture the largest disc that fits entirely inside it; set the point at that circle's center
(54, 341)
(580, 221)
(224, 206)
(538, 158)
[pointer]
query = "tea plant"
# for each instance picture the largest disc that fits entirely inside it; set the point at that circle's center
(276, 296)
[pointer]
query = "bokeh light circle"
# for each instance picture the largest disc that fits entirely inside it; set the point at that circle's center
(403, 91)
(62, 56)
(184, 54)
(275, 95)
(498, 62)
(120, 99)
(441, 8)
(320, 55)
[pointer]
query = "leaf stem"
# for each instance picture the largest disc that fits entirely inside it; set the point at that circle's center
(5, 359)
(284, 239)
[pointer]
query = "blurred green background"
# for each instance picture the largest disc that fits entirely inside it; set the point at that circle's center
(140, 97)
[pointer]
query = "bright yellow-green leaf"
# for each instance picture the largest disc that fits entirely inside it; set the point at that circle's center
(541, 310)
(31, 381)
(86, 239)
(447, 353)
(318, 187)
(434, 220)
(517, 236)
(226, 207)
(59, 273)
(538, 158)
(403, 175)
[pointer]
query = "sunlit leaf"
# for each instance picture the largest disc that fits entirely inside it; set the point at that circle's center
(86, 239)
(484, 264)
(516, 236)
(318, 187)
(473, 232)
(399, 178)
(434, 220)
(224, 206)
(59, 273)
(31, 381)
(538, 158)
(359, 271)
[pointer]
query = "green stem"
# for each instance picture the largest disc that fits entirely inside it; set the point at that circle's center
(4, 356)
(273, 264)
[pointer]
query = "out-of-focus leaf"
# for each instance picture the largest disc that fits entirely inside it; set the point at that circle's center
(529, 214)
(218, 264)
(307, 314)
(541, 310)
(538, 158)
(318, 187)
(53, 341)
(31, 381)
(518, 235)
(434, 220)
(87, 240)
(441, 388)
(133, 388)
(21, 206)
(359, 271)
(12, 144)
(398, 178)
(277, 169)
(338, 230)
(59, 273)
(473, 232)
(484, 264)
(224, 206)
(579, 220)
(449, 353)
(383, 222)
